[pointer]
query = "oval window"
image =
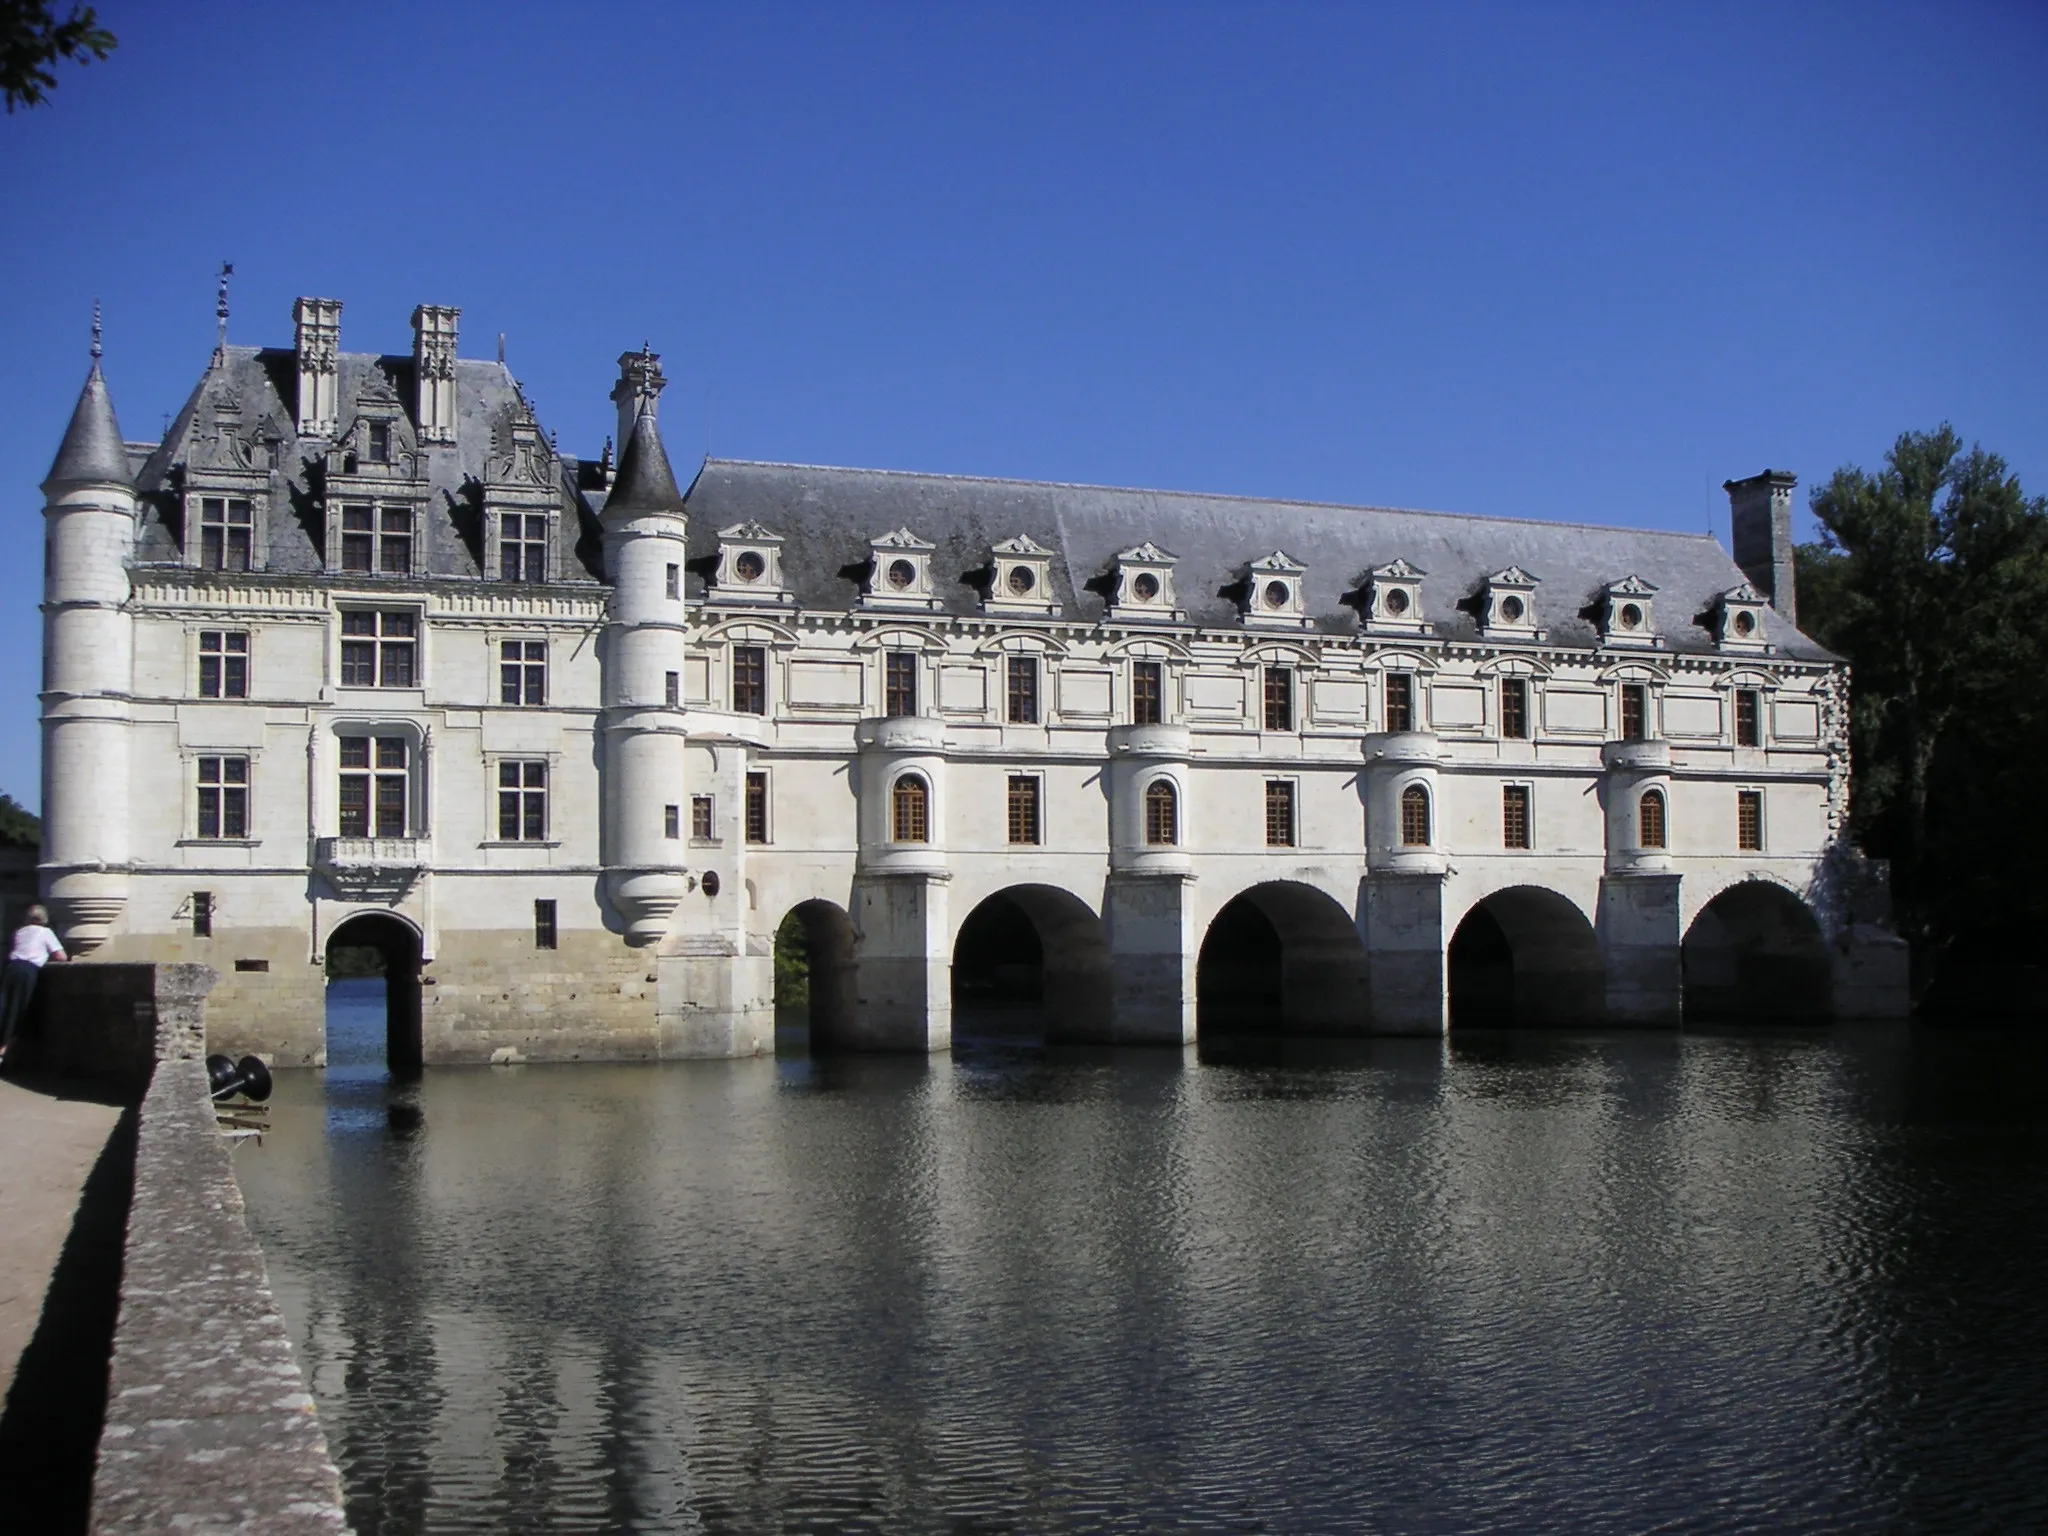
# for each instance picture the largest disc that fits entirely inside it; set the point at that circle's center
(901, 573)
(1397, 601)
(1745, 623)
(1276, 594)
(1512, 609)
(1146, 587)
(1631, 616)
(749, 566)
(1021, 579)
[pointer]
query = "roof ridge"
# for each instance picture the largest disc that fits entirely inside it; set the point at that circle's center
(1260, 501)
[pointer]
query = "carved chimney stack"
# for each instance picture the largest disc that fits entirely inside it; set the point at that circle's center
(433, 357)
(639, 388)
(319, 349)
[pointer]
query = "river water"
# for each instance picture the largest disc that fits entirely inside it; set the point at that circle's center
(1514, 1283)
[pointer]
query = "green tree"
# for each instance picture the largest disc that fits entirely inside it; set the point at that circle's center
(18, 824)
(1931, 578)
(32, 40)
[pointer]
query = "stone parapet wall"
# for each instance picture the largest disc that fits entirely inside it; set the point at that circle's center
(209, 1426)
(115, 1022)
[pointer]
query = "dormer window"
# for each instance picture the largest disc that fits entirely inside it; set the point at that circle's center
(523, 546)
(1626, 616)
(1020, 578)
(376, 540)
(1394, 598)
(378, 448)
(1142, 587)
(226, 533)
(900, 573)
(1272, 593)
(749, 566)
(1508, 605)
(1738, 619)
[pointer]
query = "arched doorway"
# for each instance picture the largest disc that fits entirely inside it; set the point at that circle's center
(1032, 960)
(1755, 954)
(814, 975)
(1526, 957)
(1281, 958)
(374, 957)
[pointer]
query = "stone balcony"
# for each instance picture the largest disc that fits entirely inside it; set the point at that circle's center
(372, 864)
(1644, 756)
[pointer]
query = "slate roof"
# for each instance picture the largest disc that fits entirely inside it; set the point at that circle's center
(92, 448)
(646, 481)
(828, 518)
(245, 404)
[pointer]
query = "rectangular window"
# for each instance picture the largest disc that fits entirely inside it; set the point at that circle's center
(1514, 708)
(1634, 712)
(1022, 675)
(1023, 808)
(202, 914)
(1748, 718)
(1279, 698)
(672, 821)
(1514, 816)
(1147, 691)
(543, 925)
(1749, 820)
(675, 581)
(379, 649)
(223, 664)
(749, 680)
(523, 802)
(358, 538)
(757, 807)
(523, 672)
(223, 797)
(672, 689)
(899, 683)
(380, 442)
(226, 531)
(394, 541)
(701, 818)
(374, 786)
(523, 546)
(1279, 813)
(1400, 701)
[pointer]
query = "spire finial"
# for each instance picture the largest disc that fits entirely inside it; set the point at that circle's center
(220, 310)
(95, 330)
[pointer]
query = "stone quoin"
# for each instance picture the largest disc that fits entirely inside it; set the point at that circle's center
(356, 656)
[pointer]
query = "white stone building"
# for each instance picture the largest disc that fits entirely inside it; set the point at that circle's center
(355, 656)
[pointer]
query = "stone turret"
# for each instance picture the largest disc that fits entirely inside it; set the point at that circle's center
(644, 551)
(89, 662)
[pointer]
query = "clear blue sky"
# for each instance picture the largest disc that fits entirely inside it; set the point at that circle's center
(1547, 261)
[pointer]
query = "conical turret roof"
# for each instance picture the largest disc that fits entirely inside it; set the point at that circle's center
(646, 482)
(92, 449)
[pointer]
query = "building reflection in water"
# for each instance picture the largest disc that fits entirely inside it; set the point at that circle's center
(1516, 1282)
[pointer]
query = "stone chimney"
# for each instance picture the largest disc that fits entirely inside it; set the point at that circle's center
(433, 359)
(1760, 518)
(319, 348)
(639, 387)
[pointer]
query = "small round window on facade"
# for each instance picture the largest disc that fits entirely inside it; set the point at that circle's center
(1276, 594)
(1512, 609)
(749, 566)
(1631, 616)
(1146, 587)
(1021, 580)
(1397, 601)
(1745, 623)
(901, 574)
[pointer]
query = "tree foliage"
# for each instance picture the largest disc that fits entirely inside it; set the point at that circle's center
(33, 40)
(1931, 578)
(18, 824)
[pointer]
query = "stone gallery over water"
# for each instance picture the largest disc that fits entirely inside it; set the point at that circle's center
(355, 659)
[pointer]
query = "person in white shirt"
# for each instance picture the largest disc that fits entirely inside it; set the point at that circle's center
(34, 947)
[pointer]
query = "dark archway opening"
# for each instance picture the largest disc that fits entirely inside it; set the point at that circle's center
(1032, 961)
(814, 977)
(1755, 954)
(1280, 959)
(1526, 958)
(373, 996)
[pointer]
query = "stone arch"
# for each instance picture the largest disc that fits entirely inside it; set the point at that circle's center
(1525, 957)
(1281, 957)
(1756, 953)
(1035, 949)
(398, 947)
(817, 935)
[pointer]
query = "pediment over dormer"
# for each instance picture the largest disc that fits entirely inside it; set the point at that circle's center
(1507, 605)
(1626, 613)
(1141, 586)
(748, 566)
(1737, 620)
(1020, 579)
(1393, 598)
(899, 572)
(1272, 593)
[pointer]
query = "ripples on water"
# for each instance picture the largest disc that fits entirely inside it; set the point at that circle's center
(1518, 1283)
